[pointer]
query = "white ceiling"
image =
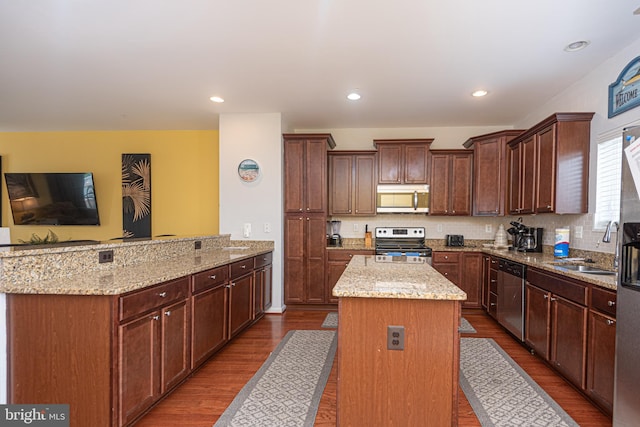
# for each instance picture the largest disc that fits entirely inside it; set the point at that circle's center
(153, 64)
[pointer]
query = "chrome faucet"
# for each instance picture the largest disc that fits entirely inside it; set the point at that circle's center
(607, 239)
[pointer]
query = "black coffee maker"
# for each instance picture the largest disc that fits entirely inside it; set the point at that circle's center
(525, 239)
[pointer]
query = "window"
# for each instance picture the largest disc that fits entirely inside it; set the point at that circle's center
(608, 180)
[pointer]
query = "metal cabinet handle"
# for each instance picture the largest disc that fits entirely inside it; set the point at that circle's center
(227, 286)
(446, 274)
(350, 255)
(213, 277)
(307, 208)
(156, 318)
(610, 322)
(494, 281)
(554, 299)
(307, 219)
(167, 313)
(546, 296)
(162, 294)
(611, 303)
(548, 206)
(233, 284)
(492, 304)
(243, 266)
(453, 211)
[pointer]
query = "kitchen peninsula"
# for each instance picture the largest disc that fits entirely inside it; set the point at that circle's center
(111, 339)
(413, 309)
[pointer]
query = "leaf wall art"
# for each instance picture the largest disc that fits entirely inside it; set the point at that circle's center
(136, 195)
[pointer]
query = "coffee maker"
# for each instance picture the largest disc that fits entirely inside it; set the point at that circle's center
(333, 233)
(529, 240)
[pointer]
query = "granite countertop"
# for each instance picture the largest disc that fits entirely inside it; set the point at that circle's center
(122, 279)
(364, 277)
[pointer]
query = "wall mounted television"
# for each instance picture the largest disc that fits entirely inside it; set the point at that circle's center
(52, 198)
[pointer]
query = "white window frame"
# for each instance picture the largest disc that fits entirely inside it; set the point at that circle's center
(609, 169)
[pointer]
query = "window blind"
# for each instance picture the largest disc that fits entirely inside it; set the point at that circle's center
(608, 182)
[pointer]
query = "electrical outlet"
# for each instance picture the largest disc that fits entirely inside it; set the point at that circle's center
(356, 227)
(488, 228)
(267, 227)
(105, 256)
(439, 228)
(246, 230)
(395, 337)
(198, 244)
(577, 232)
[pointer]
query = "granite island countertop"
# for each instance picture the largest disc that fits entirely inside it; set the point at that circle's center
(364, 277)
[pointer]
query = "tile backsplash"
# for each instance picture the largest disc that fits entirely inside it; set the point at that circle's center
(484, 228)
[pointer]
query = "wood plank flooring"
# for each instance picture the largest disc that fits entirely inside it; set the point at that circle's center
(201, 400)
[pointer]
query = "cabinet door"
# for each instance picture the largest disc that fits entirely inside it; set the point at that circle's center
(316, 176)
(471, 281)
(139, 361)
(364, 188)
(569, 339)
(316, 229)
(175, 344)
(486, 277)
(537, 320)
(515, 179)
(461, 172)
(416, 164)
(240, 304)
(267, 280)
(389, 163)
(209, 323)
(340, 184)
(546, 170)
(334, 271)
(528, 171)
(294, 164)
(488, 191)
(294, 258)
(601, 360)
(439, 189)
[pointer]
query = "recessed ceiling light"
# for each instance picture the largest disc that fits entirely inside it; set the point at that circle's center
(217, 99)
(479, 93)
(353, 96)
(575, 46)
(637, 11)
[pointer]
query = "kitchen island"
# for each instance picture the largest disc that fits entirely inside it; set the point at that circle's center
(398, 344)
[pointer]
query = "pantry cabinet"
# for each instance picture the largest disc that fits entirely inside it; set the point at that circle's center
(403, 161)
(451, 174)
(305, 201)
(490, 171)
(549, 166)
(352, 183)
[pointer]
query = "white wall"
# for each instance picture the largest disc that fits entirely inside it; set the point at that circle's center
(257, 137)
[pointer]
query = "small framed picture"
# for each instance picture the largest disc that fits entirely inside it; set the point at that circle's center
(248, 170)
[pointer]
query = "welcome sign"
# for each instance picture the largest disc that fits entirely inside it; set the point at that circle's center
(624, 93)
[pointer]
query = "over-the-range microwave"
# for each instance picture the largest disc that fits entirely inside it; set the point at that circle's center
(403, 198)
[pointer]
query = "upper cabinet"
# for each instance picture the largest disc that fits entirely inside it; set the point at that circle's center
(549, 166)
(352, 183)
(305, 172)
(490, 171)
(450, 189)
(403, 161)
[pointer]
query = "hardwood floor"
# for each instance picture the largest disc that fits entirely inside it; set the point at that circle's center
(201, 400)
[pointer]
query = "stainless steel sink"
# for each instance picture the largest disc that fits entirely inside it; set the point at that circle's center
(584, 269)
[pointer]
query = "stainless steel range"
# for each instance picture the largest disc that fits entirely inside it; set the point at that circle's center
(401, 243)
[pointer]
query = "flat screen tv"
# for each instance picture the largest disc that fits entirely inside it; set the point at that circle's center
(52, 198)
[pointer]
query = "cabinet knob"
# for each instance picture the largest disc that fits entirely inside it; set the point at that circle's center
(611, 303)
(307, 219)
(213, 277)
(446, 257)
(156, 318)
(167, 313)
(233, 284)
(492, 304)
(546, 296)
(162, 294)
(610, 322)
(227, 286)
(548, 206)
(446, 274)
(307, 209)
(554, 299)
(243, 266)
(453, 211)
(300, 210)
(494, 281)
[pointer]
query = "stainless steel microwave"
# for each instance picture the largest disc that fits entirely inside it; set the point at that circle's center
(402, 199)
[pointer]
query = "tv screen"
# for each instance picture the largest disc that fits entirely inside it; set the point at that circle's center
(52, 198)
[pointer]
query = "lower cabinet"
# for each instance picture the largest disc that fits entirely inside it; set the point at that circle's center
(240, 295)
(337, 261)
(464, 269)
(262, 285)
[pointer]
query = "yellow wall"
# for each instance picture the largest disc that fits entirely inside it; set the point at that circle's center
(184, 177)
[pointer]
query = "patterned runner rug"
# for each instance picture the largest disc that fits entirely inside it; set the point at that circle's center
(331, 321)
(500, 392)
(465, 327)
(286, 390)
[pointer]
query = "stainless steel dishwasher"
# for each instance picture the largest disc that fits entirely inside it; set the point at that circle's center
(510, 309)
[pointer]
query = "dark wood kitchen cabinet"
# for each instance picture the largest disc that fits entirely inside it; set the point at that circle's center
(463, 269)
(403, 161)
(337, 261)
(262, 284)
(602, 348)
(490, 268)
(490, 171)
(240, 295)
(305, 200)
(451, 174)
(352, 183)
(556, 323)
(553, 171)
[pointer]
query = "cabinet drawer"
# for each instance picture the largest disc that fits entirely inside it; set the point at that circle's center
(264, 259)
(210, 278)
(444, 257)
(493, 305)
(240, 268)
(567, 288)
(345, 255)
(493, 281)
(604, 301)
(148, 299)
